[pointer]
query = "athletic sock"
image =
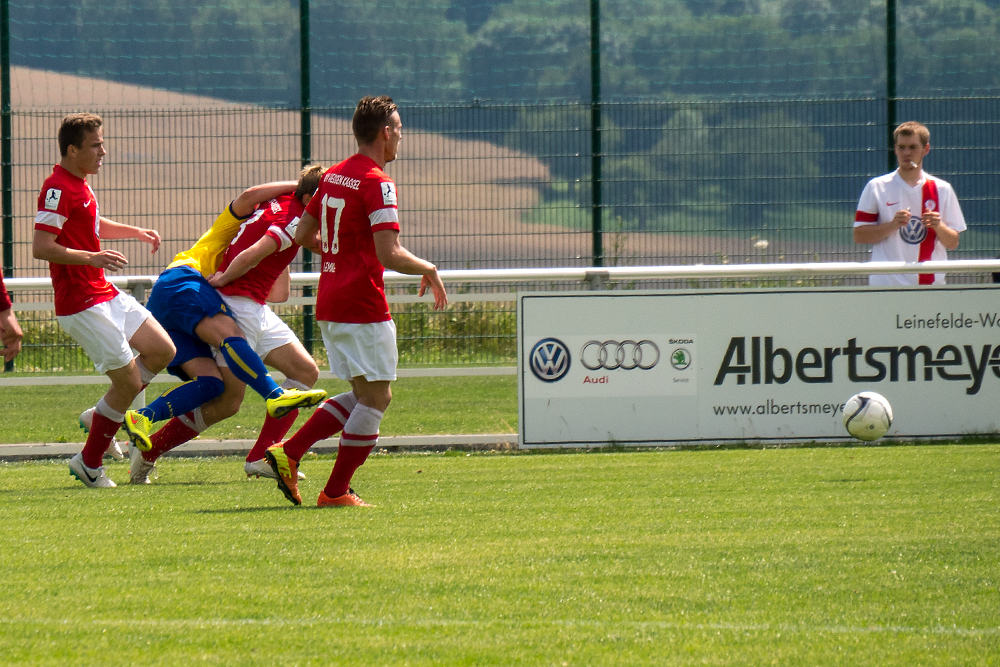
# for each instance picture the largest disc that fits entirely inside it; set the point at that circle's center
(145, 374)
(183, 398)
(357, 441)
(328, 419)
(248, 368)
(273, 430)
(102, 430)
(175, 433)
(349, 459)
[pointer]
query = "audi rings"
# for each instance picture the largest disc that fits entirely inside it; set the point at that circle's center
(626, 355)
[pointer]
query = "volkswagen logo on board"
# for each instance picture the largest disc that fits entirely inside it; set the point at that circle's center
(549, 360)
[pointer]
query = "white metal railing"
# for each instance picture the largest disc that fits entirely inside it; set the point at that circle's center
(597, 277)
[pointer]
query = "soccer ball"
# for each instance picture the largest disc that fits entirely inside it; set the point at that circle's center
(867, 416)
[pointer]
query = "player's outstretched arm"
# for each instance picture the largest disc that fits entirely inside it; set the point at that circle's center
(116, 230)
(244, 261)
(248, 200)
(396, 258)
(44, 247)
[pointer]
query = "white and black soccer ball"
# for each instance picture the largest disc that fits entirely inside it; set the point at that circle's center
(867, 416)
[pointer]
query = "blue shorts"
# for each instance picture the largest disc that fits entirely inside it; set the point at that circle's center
(180, 299)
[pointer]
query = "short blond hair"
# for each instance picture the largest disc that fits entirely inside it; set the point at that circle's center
(911, 128)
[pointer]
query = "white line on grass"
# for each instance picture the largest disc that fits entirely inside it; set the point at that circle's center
(444, 622)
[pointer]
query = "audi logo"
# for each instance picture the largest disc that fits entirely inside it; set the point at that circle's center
(549, 360)
(626, 355)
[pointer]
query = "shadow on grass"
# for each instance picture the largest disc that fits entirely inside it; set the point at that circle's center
(246, 510)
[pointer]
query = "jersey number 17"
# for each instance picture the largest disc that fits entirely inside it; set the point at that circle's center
(324, 229)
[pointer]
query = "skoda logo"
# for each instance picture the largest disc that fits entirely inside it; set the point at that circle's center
(914, 232)
(549, 360)
(626, 355)
(680, 359)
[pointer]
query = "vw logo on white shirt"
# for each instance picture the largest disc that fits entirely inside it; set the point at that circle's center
(549, 360)
(626, 355)
(914, 232)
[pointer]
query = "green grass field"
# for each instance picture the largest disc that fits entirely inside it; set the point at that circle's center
(421, 406)
(811, 556)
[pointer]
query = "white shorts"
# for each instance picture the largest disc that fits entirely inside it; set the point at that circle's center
(104, 330)
(356, 350)
(264, 330)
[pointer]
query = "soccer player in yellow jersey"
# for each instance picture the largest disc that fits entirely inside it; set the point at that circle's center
(198, 320)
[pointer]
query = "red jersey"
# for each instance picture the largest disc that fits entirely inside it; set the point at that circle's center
(355, 199)
(277, 219)
(67, 208)
(4, 298)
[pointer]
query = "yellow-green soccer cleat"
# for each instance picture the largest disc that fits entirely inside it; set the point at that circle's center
(287, 470)
(137, 426)
(293, 399)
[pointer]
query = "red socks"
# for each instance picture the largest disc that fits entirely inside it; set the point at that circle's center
(98, 440)
(273, 430)
(349, 459)
(326, 421)
(173, 434)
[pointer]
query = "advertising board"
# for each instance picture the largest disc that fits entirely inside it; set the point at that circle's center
(767, 365)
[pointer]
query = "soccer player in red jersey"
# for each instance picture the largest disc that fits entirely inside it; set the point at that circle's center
(106, 323)
(352, 221)
(10, 330)
(253, 270)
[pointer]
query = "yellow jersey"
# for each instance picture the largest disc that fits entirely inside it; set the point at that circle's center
(206, 254)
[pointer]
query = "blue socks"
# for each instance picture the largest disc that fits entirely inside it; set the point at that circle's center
(183, 398)
(247, 366)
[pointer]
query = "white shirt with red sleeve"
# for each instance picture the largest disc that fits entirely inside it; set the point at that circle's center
(882, 197)
(276, 219)
(354, 200)
(67, 208)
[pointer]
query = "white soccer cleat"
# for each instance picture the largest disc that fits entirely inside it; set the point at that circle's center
(92, 477)
(139, 468)
(262, 468)
(116, 449)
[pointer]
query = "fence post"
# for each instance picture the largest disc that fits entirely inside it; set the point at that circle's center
(595, 132)
(305, 104)
(6, 159)
(890, 76)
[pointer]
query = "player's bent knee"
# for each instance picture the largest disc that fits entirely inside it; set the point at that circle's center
(127, 384)
(229, 405)
(308, 376)
(161, 357)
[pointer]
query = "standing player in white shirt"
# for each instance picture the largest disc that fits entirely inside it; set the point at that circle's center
(909, 215)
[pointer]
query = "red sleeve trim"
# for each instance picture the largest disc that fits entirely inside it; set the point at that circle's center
(48, 228)
(383, 226)
(864, 216)
(4, 299)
